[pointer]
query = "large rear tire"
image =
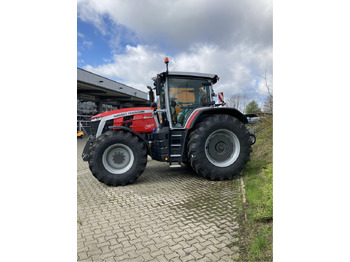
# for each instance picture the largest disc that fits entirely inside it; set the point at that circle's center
(219, 147)
(117, 158)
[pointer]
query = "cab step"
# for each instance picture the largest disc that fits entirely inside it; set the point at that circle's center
(175, 166)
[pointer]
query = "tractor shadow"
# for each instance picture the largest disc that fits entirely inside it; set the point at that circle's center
(158, 172)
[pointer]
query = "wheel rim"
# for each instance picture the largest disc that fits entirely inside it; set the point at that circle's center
(222, 148)
(118, 158)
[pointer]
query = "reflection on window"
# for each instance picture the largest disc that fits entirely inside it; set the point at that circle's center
(186, 95)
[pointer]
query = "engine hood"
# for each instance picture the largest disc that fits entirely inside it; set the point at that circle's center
(126, 111)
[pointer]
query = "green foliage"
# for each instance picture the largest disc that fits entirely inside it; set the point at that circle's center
(261, 248)
(258, 181)
(252, 108)
(267, 199)
(264, 207)
(259, 193)
(259, 175)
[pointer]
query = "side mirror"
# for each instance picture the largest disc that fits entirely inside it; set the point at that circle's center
(158, 85)
(151, 94)
(154, 105)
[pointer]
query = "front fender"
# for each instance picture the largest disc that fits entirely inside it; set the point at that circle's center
(85, 154)
(145, 142)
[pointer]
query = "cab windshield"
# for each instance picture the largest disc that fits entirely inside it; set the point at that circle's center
(185, 95)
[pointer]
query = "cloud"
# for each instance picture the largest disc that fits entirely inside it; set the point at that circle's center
(134, 67)
(90, 11)
(87, 44)
(181, 23)
(139, 64)
(230, 38)
(80, 35)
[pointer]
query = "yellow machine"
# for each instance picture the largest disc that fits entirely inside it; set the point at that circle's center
(80, 134)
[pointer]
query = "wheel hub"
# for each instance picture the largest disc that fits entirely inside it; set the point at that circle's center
(118, 158)
(222, 148)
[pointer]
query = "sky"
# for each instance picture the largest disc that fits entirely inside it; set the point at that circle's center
(127, 41)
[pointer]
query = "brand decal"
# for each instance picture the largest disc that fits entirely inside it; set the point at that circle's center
(129, 113)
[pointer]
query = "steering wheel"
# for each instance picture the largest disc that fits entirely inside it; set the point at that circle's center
(172, 101)
(184, 105)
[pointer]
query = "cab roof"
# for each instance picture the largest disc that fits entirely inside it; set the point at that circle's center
(214, 78)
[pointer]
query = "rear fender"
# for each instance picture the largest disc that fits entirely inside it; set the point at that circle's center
(201, 112)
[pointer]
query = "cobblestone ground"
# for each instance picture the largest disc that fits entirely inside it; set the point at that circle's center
(166, 215)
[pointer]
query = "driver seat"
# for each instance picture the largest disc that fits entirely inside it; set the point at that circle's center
(180, 117)
(183, 116)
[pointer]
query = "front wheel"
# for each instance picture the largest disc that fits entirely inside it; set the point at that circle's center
(117, 158)
(219, 147)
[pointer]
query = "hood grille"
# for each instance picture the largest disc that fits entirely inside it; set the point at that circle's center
(94, 126)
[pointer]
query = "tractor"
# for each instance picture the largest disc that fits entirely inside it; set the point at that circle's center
(185, 126)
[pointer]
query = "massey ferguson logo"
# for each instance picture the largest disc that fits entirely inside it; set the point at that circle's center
(129, 113)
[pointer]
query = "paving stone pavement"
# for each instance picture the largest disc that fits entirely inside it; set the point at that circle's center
(166, 215)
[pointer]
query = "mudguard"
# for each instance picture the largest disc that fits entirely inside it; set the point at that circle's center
(213, 111)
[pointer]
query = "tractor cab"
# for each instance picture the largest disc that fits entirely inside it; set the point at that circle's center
(180, 94)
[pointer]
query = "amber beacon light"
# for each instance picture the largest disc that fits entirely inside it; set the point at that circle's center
(166, 61)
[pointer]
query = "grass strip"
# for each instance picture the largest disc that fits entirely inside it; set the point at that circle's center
(256, 213)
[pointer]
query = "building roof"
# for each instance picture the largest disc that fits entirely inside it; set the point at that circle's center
(101, 89)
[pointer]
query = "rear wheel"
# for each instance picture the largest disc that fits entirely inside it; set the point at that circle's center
(219, 147)
(117, 158)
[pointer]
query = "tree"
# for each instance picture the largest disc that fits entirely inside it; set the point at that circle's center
(268, 90)
(268, 105)
(238, 101)
(252, 108)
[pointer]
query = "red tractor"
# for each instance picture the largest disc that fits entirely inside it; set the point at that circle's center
(186, 126)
